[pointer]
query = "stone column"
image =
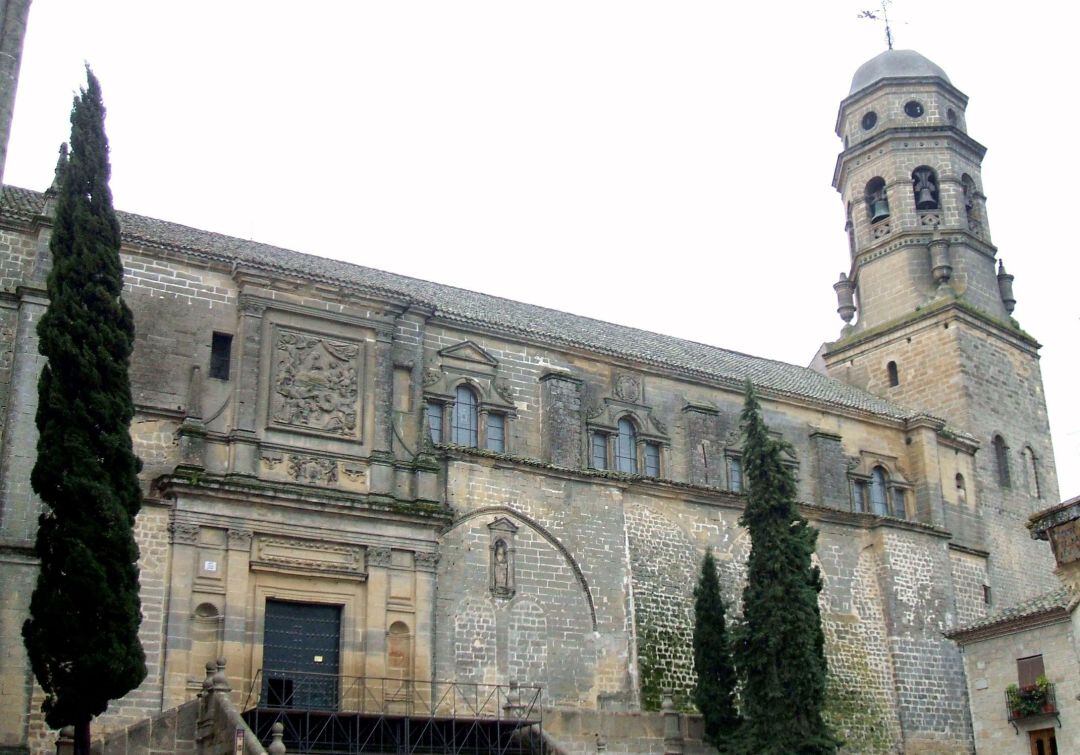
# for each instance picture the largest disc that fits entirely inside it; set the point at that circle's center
(245, 450)
(236, 642)
(183, 539)
(378, 587)
(382, 442)
(424, 632)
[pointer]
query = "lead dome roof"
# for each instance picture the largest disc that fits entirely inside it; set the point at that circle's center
(895, 64)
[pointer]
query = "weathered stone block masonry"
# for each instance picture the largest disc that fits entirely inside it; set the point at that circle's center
(444, 466)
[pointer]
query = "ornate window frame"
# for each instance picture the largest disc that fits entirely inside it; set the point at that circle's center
(602, 419)
(467, 364)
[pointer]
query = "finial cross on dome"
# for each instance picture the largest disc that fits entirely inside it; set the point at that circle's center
(883, 16)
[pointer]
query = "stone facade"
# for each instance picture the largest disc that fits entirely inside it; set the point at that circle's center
(443, 467)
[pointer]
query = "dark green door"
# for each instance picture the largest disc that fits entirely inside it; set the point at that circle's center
(301, 644)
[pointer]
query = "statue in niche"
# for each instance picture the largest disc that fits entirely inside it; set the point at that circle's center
(501, 570)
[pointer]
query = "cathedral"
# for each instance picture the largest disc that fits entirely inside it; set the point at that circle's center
(351, 475)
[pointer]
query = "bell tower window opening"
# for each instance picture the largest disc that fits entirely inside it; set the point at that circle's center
(914, 109)
(1001, 460)
(877, 203)
(925, 185)
(961, 489)
(464, 427)
(894, 374)
(1031, 468)
(626, 447)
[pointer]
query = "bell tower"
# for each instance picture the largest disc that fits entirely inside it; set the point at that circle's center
(927, 305)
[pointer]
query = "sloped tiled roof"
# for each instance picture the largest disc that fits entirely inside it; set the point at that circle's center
(470, 307)
(1047, 604)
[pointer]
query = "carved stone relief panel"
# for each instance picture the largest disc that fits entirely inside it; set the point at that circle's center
(296, 554)
(315, 386)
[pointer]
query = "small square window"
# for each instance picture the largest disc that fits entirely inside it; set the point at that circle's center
(496, 433)
(220, 356)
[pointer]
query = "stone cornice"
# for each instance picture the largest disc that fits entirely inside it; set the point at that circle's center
(1048, 617)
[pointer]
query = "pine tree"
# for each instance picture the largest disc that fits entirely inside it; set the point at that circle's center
(82, 634)
(780, 652)
(714, 694)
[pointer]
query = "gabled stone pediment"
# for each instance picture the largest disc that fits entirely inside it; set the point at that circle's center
(468, 351)
(502, 524)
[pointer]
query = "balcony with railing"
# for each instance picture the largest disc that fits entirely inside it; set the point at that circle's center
(323, 713)
(1031, 701)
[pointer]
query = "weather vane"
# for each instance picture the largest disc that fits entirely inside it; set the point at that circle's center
(874, 15)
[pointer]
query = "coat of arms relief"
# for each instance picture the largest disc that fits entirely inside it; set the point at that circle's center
(315, 384)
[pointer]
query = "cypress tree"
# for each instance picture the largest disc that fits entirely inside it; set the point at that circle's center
(82, 634)
(780, 652)
(714, 694)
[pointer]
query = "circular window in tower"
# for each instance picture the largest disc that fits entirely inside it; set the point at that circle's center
(914, 109)
(869, 120)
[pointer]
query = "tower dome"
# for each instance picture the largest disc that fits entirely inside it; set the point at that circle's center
(895, 64)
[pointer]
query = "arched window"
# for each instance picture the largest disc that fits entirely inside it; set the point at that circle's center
(894, 374)
(877, 203)
(879, 496)
(961, 489)
(967, 183)
(464, 426)
(1001, 460)
(925, 185)
(1031, 469)
(626, 447)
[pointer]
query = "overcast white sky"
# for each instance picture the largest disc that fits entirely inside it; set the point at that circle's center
(665, 165)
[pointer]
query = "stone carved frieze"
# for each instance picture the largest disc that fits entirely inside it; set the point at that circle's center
(184, 532)
(426, 561)
(252, 306)
(354, 472)
(315, 384)
(271, 460)
(308, 555)
(240, 539)
(378, 555)
(312, 469)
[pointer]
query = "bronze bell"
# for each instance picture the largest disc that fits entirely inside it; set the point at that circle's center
(925, 199)
(880, 209)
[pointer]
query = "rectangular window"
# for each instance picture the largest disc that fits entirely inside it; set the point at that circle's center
(734, 472)
(858, 496)
(496, 433)
(652, 460)
(434, 420)
(220, 355)
(598, 451)
(1028, 670)
(986, 594)
(899, 503)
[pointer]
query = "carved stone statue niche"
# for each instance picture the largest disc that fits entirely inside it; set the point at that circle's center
(501, 569)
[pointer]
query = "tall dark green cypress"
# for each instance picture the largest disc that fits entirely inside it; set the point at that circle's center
(82, 635)
(780, 651)
(714, 694)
